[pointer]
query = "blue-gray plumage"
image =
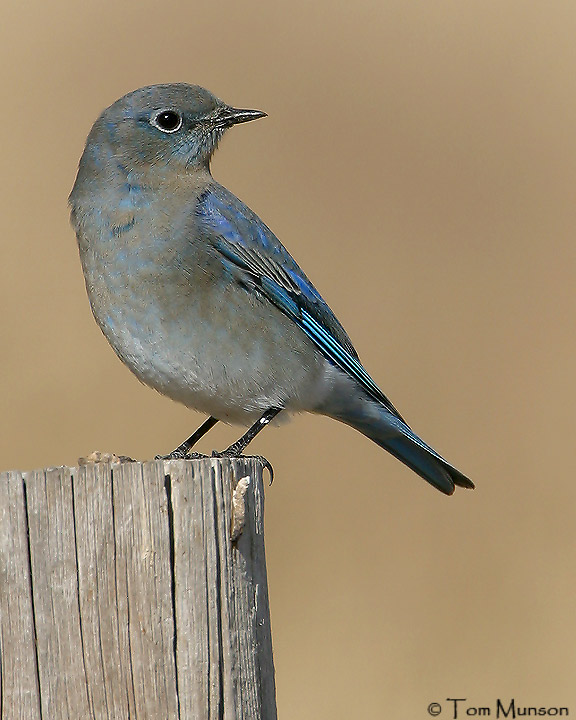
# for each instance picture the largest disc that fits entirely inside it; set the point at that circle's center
(199, 298)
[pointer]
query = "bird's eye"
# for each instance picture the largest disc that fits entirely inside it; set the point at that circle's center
(168, 121)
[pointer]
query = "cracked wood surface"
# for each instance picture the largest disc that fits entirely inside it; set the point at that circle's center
(122, 595)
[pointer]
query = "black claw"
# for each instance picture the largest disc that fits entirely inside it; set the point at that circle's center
(229, 453)
(267, 466)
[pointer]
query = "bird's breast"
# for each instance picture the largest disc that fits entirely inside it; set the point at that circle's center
(176, 319)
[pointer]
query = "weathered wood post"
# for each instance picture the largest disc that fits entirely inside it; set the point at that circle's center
(124, 595)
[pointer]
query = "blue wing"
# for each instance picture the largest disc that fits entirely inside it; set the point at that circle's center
(255, 256)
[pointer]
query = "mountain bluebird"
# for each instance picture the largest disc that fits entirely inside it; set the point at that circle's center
(199, 298)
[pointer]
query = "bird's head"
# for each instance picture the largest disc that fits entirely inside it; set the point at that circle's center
(176, 124)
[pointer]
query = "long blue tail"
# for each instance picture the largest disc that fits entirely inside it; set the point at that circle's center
(394, 435)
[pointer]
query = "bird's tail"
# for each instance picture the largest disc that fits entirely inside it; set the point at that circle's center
(393, 434)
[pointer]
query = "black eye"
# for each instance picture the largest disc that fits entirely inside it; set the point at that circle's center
(168, 121)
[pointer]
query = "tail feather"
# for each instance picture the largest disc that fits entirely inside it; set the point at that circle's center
(394, 435)
(425, 461)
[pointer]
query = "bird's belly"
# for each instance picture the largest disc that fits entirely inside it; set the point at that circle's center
(223, 352)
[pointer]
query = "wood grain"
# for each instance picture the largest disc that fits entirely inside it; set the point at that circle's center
(122, 594)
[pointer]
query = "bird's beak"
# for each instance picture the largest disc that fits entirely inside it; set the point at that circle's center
(229, 116)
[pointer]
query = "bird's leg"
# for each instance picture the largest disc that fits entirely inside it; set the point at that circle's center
(183, 450)
(239, 446)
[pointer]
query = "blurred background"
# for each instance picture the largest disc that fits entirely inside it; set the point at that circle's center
(419, 161)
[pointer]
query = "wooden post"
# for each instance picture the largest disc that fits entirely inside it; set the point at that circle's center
(124, 596)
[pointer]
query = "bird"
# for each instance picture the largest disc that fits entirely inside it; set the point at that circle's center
(198, 297)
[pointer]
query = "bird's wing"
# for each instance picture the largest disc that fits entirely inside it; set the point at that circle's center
(257, 259)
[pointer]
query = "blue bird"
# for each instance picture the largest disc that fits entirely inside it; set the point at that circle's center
(198, 297)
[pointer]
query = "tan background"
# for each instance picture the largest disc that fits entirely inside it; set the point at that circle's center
(420, 163)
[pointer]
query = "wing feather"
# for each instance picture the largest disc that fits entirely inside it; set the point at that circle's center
(243, 240)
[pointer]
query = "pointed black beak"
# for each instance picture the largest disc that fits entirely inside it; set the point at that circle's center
(233, 116)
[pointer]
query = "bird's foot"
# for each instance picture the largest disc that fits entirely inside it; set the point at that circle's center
(232, 453)
(179, 454)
